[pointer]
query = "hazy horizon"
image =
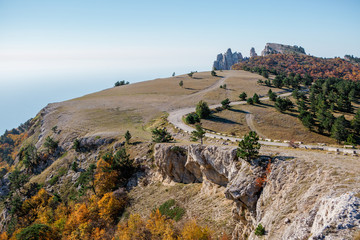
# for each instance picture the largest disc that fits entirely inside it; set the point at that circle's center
(54, 51)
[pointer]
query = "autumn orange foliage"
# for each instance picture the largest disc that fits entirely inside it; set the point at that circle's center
(304, 64)
(260, 181)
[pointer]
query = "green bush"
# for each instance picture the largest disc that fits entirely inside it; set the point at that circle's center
(54, 180)
(192, 118)
(250, 101)
(75, 166)
(260, 230)
(76, 145)
(161, 135)
(172, 210)
(37, 231)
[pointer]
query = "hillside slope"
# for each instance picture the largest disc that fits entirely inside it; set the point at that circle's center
(72, 175)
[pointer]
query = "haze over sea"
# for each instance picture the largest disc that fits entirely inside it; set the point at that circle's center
(56, 50)
(23, 96)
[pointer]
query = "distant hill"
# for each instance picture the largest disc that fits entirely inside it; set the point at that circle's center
(303, 64)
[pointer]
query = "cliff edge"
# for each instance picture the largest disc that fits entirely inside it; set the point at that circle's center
(290, 196)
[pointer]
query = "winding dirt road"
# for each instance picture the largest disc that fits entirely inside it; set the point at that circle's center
(176, 118)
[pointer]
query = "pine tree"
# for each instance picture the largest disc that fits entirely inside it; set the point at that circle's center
(203, 110)
(355, 123)
(250, 101)
(225, 103)
(199, 133)
(243, 96)
(161, 135)
(256, 98)
(249, 147)
(127, 136)
(338, 130)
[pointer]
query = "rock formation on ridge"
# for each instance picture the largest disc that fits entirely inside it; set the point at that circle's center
(226, 60)
(252, 52)
(274, 48)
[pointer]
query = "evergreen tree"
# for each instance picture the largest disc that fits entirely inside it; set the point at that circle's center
(277, 82)
(181, 83)
(249, 147)
(250, 101)
(256, 98)
(161, 135)
(308, 120)
(355, 123)
(265, 74)
(283, 104)
(50, 144)
(338, 130)
(199, 133)
(127, 136)
(243, 96)
(192, 118)
(272, 96)
(203, 110)
(225, 103)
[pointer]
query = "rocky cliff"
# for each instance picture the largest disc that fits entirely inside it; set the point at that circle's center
(289, 196)
(274, 48)
(224, 61)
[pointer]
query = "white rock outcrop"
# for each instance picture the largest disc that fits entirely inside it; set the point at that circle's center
(294, 201)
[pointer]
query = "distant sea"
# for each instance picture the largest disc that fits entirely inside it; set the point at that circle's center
(22, 97)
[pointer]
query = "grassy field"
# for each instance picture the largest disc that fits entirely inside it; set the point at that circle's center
(236, 84)
(132, 107)
(231, 122)
(267, 120)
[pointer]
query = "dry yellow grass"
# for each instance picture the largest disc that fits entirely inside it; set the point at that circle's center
(285, 126)
(241, 81)
(267, 121)
(131, 107)
(231, 122)
(212, 210)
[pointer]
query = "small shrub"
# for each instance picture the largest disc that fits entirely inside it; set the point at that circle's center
(51, 144)
(260, 230)
(76, 145)
(177, 149)
(121, 83)
(74, 166)
(171, 210)
(54, 180)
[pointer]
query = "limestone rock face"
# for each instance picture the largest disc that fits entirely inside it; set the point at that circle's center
(252, 52)
(294, 201)
(224, 61)
(274, 48)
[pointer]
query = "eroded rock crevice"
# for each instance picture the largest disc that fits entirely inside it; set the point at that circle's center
(290, 197)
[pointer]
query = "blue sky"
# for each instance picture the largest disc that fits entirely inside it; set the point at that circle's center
(47, 46)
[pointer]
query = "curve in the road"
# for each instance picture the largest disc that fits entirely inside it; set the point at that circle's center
(176, 118)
